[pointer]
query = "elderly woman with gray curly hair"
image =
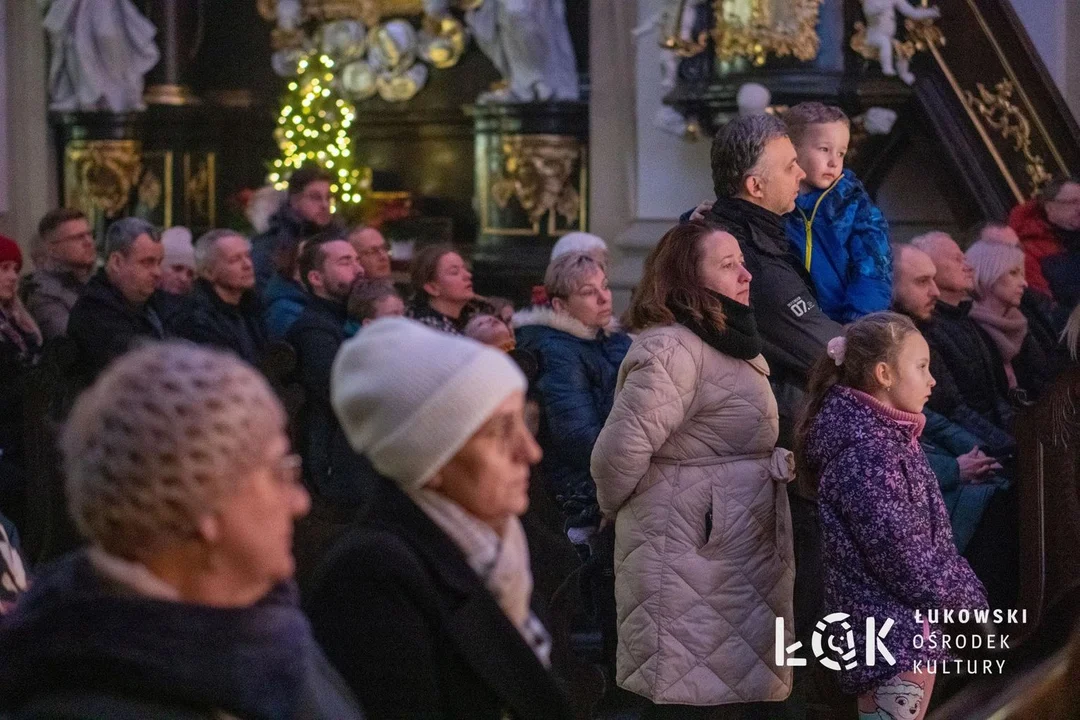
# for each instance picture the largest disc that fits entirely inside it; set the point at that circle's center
(182, 605)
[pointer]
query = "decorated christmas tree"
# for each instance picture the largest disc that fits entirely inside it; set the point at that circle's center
(313, 127)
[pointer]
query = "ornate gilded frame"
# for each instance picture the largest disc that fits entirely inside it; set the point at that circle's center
(758, 35)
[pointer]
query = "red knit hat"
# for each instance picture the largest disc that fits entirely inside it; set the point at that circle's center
(10, 252)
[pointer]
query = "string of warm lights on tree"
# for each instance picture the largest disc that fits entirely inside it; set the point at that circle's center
(313, 127)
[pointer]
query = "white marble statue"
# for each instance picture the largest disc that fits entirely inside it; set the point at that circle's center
(881, 31)
(671, 58)
(753, 99)
(101, 49)
(529, 44)
(289, 14)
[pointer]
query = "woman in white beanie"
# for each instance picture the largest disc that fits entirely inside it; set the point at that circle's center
(178, 474)
(581, 242)
(178, 265)
(424, 605)
(999, 289)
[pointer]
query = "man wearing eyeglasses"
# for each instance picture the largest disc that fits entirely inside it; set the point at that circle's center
(69, 260)
(305, 212)
(1049, 230)
(372, 251)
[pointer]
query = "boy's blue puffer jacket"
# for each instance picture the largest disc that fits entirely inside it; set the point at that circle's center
(850, 260)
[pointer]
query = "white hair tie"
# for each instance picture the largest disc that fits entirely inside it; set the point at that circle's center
(837, 349)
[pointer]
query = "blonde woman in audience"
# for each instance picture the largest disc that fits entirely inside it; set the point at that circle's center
(578, 349)
(999, 290)
(183, 601)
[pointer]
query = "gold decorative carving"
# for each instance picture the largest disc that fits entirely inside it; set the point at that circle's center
(150, 190)
(99, 174)
(537, 170)
(921, 36)
(754, 29)
(199, 190)
(674, 41)
(169, 95)
(282, 39)
(999, 112)
(450, 41)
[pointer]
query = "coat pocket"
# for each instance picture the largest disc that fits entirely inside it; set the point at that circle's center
(716, 522)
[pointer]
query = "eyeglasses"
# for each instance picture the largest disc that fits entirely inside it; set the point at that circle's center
(80, 237)
(373, 251)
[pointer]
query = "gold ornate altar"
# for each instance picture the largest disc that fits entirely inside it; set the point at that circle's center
(531, 188)
(108, 179)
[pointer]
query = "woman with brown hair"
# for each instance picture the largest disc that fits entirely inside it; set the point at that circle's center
(443, 289)
(687, 467)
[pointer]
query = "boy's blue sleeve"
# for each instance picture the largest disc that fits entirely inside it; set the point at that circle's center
(869, 282)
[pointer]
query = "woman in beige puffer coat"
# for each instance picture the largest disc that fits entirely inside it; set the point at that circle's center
(686, 466)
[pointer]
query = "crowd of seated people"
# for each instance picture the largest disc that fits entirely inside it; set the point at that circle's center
(775, 318)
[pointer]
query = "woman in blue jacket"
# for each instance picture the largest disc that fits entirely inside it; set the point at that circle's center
(579, 352)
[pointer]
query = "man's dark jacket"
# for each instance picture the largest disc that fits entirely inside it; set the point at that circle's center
(969, 371)
(413, 629)
(232, 327)
(104, 325)
(286, 227)
(316, 336)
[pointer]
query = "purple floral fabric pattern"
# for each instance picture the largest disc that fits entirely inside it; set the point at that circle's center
(887, 544)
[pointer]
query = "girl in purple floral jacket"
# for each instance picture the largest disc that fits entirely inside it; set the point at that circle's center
(887, 544)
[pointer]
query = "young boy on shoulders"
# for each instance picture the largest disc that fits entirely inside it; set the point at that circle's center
(836, 230)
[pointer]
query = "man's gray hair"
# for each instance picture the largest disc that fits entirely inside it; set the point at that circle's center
(206, 247)
(928, 241)
(737, 148)
(123, 233)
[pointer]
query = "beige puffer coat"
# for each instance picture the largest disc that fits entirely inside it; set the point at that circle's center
(689, 443)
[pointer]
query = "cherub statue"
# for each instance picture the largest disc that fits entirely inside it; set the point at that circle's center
(881, 31)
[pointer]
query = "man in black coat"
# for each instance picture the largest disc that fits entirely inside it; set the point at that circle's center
(963, 360)
(434, 621)
(756, 178)
(226, 312)
(916, 294)
(328, 267)
(304, 213)
(121, 303)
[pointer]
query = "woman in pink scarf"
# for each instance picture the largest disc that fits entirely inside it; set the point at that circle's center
(999, 287)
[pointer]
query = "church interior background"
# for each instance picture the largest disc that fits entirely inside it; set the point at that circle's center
(437, 133)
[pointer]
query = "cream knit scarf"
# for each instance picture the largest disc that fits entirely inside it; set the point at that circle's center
(502, 563)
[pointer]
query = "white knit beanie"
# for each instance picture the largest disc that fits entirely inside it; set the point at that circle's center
(179, 250)
(409, 397)
(578, 242)
(991, 260)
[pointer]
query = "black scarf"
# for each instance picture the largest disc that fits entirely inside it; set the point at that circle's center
(1070, 239)
(70, 631)
(739, 338)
